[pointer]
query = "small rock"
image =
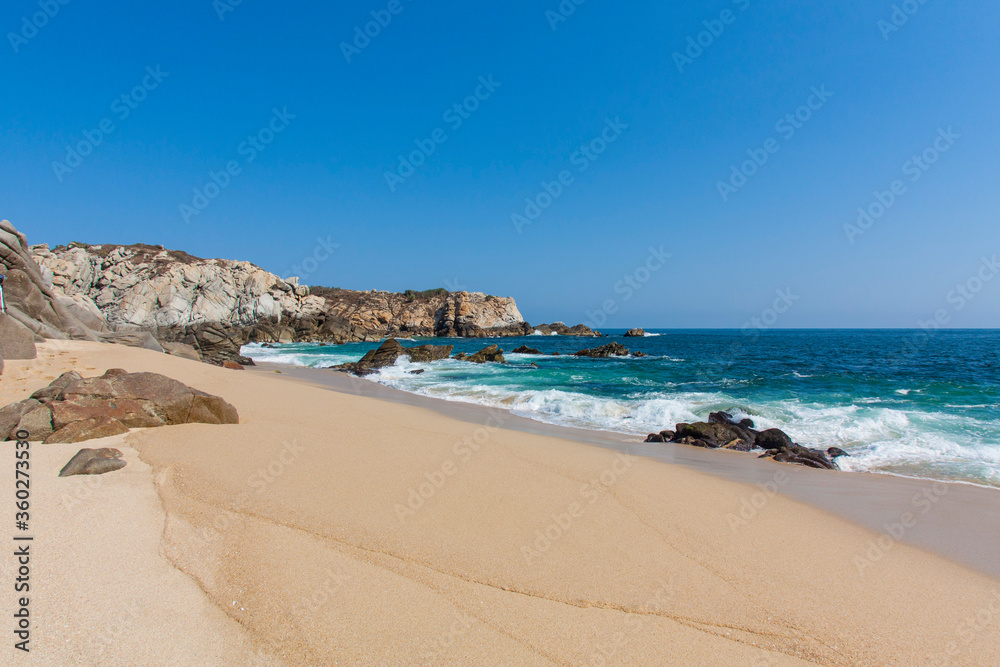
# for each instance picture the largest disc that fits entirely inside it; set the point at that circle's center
(93, 462)
(232, 365)
(635, 333)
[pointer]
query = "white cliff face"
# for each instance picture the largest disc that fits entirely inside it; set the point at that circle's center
(148, 287)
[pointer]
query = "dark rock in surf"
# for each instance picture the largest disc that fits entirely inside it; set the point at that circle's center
(605, 351)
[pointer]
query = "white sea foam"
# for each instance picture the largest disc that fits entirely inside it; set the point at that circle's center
(882, 434)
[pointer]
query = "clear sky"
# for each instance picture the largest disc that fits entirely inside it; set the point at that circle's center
(620, 103)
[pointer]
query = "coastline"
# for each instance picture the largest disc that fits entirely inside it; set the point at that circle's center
(871, 500)
(289, 523)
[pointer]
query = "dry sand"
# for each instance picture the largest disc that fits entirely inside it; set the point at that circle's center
(338, 529)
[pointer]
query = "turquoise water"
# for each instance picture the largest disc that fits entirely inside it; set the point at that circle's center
(902, 402)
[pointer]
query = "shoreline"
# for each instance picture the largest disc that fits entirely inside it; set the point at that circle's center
(300, 525)
(870, 500)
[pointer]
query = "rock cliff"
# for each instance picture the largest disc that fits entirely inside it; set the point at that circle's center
(180, 297)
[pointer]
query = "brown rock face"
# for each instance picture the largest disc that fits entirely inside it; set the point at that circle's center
(72, 409)
(88, 429)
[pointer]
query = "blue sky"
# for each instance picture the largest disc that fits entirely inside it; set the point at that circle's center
(273, 83)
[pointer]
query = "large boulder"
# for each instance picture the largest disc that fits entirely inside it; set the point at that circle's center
(16, 340)
(635, 333)
(73, 408)
(29, 298)
(609, 350)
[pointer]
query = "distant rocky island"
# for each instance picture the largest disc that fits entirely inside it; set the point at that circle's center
(208, 309)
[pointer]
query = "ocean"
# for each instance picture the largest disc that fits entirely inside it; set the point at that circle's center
(912, 403)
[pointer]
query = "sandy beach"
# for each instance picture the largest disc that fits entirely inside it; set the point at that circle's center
(331, 528)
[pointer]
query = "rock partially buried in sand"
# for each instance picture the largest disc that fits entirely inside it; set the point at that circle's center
(102, 406)
(232, 365)
(93, 462)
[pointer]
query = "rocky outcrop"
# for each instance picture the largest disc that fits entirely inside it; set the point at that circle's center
(72, 408)
(722, 431)
(609, 350)
(635, 333)
(16, 340)
(560, 329)
(524, 349)
(173, 294)
(149, 287)
(29, 298)
(389, 353)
